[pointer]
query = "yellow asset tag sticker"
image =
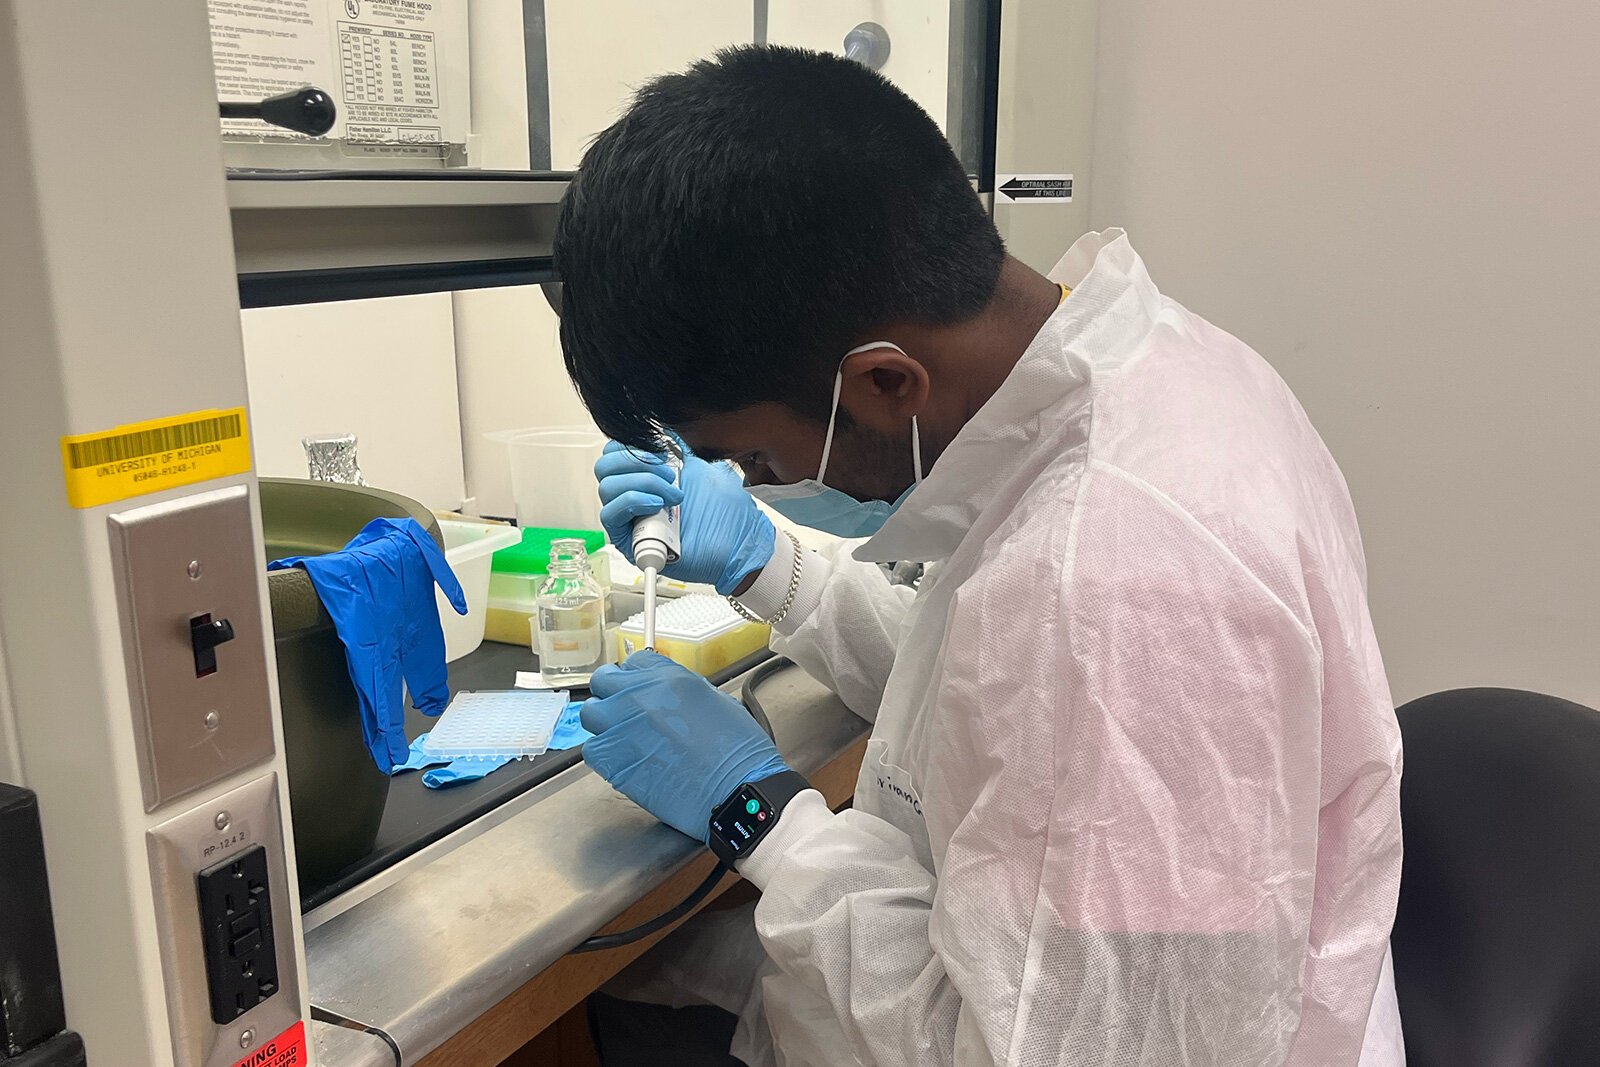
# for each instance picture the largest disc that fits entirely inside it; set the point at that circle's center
(147, 457)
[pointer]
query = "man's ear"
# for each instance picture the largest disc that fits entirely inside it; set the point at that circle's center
(883, 388)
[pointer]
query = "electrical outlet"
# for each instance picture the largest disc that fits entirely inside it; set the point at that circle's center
(204, 840)
(236, 920)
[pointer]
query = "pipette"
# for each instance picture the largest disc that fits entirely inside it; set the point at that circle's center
(655, 544)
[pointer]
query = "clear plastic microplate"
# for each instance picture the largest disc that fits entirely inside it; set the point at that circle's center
(513, 724)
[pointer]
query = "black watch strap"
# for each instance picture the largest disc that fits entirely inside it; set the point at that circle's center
(749, 813)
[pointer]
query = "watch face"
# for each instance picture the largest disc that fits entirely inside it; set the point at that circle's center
(742, 820)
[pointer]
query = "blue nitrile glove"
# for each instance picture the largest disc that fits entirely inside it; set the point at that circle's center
(453, 772)
(569, 731)
(379, 591)
(723, 535)
(462, 770)
(417, 758)
(670, 742)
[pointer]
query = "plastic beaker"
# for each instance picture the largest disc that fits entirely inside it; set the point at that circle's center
(552, 475)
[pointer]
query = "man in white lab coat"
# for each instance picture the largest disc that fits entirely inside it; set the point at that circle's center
(1131, 795)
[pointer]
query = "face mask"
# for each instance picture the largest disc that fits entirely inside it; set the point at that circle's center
(810, 503)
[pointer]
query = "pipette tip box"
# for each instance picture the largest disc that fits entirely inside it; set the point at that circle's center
(700, 631)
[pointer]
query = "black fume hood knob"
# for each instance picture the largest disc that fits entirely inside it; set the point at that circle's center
(310, 111)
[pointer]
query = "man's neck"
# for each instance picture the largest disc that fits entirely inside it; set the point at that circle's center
(1023, 301)
(971, 361)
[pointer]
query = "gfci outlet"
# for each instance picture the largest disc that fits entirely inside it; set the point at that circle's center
(224, 914)
(236, 918)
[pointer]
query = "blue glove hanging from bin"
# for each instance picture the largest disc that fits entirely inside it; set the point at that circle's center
(379, 591)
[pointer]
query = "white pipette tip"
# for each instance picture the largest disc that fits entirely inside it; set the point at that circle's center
(650, 608)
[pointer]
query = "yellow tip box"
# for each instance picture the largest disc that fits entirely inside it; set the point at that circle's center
(701, 632)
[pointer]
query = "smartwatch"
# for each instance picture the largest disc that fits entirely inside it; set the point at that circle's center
(749, 813)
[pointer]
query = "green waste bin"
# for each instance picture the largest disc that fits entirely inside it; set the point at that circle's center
(336, 791)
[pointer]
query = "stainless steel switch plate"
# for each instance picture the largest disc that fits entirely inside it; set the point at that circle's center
(175, 563)
(180, 849)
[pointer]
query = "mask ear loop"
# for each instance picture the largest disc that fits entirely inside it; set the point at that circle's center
(916, 452)
(833, 414)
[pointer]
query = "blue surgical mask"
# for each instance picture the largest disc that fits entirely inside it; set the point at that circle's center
(811, 503)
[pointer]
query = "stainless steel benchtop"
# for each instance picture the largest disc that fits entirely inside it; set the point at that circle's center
(467, 923)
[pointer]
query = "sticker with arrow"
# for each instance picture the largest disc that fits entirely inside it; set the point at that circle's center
(1033, 188)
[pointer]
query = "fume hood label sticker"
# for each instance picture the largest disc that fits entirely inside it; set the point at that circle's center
(261, 48)
(288, 1049)
(1033, 188)
(398, 70)
(146, 457)
(394, 57)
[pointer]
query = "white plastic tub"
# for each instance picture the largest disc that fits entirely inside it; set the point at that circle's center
(469, 547)
(552, 475)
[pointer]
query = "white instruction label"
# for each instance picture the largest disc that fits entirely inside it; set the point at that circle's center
(397, 69)
(261, 48)
(389, 73)
(1033, 188)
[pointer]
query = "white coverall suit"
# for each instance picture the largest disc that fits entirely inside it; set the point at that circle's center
(1132, 791)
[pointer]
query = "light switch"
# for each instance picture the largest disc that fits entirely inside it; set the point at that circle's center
(205, 634)
(193, 637)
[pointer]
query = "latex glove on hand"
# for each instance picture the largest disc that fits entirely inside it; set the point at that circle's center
(669, 741)
(724, 537)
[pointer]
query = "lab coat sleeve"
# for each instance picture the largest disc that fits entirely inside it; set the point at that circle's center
(1127, 778)
(844, 625)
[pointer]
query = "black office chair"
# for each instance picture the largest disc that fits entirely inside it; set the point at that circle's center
(1497, 939)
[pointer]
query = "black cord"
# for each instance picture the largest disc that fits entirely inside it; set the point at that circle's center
(325, 1015)
(601, 942)
(747, 695)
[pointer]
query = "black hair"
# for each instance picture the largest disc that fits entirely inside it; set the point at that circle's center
(748, 221)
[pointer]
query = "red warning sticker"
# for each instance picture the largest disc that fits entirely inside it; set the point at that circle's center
(288, 1049)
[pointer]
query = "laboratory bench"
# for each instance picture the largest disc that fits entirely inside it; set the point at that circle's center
(452, 940)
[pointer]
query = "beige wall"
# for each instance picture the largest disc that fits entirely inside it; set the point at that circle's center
(1396, 204)
(1044, 120)
(380, 369)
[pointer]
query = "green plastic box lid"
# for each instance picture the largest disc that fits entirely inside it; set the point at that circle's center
(532, 556)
